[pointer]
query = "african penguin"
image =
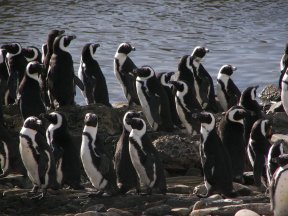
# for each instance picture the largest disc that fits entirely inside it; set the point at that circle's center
(153, 99)
(187, 104)
(248, 101)
(16, 65)
(204, 83)
(231, 132)
(61, 79)
(165, 79)
(215, 159)
(125, 171)
(4, 92)
(284, 92)
(145, 157)
(65, 151)
(283, 65)
(96, 162)
(32, 53)
(278, 187)
(258, 149)
(123, 67)
(228, 93)
(37, 156)
(30, 101)
(90, 73)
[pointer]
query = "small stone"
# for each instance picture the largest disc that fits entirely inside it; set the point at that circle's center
(246, 212)
(89, 213)
(158, 210)
(181, 211)
(119, 212)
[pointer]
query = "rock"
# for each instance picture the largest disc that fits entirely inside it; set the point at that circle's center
(279, 122)
(158, 210)
(203, 202)
(270, 93)
(246, 212)
(181, 211)
(119, 212)
(89, 213)
(275, 107)
(97, 207)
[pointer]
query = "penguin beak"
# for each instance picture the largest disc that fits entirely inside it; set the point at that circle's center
(71, 37)
(95, 46)
(207, 50)
(133, 49)
(61, 32)
(234, 68)
(134, 72)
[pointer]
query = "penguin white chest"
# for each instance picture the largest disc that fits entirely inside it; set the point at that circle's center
(221, 97)
(181, 113)
(281, 194)
(94, 175)
(284, 93)
(4, 158)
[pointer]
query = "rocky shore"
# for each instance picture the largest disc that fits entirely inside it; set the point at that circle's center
(179, 153)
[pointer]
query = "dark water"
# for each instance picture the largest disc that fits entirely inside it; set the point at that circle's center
(248, 34)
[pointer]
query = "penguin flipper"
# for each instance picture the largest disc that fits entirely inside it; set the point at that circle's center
(43, 167)
(105, 164)
(79, 83)
(154, 104)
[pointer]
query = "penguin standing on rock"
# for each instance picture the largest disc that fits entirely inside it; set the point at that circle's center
(145, 158)
(30, 101)
(97, 165)
(231, 132)
(227, 92)
(186, 105)
(258, 149)
(90, 73)
(123, 67)
(125, 171)
(61, 79)
(215, 159)
(204, 84)
(153, 99)
(67, 159)
(37, 157)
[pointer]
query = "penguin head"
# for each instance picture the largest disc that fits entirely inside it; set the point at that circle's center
(88, 51)
(236, 114)
(199, 52)
(34, 69)
(56, 119)
(138, 125)
(12, 49)
(180, 86)
(165, 78)
(91, 120)
(125, 48)
(144, 73)
(129, 115)
(206, 119)
(31, 53)
(51, 37)
(249, 94)
(62, 42)
(33, 123)
(227, 70)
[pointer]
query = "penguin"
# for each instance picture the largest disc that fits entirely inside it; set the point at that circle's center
(66, 154)
(90, 73)
(37, 156)
(16, 65)
(153, 99)
(125, 171)
(32, 53)
(186, 105)
(284, 92)
(60, 72)
(97, 165)
(278, 188)
(248, 101)
(215, 159)
(123, 67)
(258, 149)
(164, 79)
(204, 82)
(283, 65)
(4, 75)
(227, 92)
(277, 149)
(231, 132)
(30, 101)
(145, 157)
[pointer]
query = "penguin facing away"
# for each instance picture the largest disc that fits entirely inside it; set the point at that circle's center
(153, 99)
(32, 53)
(145, 158)
(30, 100)
(227, 92)
(123, 67)
(37, 157)
(231, 132)
(97, 165)
(90, 73)
(258, 149)
(283, 65)
(186, 105)
(67, 158)
(215, 159)
(126, 174)
(278, 187)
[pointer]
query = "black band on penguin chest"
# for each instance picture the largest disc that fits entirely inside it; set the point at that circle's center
(30, 145)
(223, 89)
(92, 148)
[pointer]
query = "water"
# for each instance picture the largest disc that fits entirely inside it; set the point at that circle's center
(248, 34)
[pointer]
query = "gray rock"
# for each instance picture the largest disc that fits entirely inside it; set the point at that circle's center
(158, 210)
(119, 212)
(89, 213)
(97, 207)
(246, 212)
(181, 211)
